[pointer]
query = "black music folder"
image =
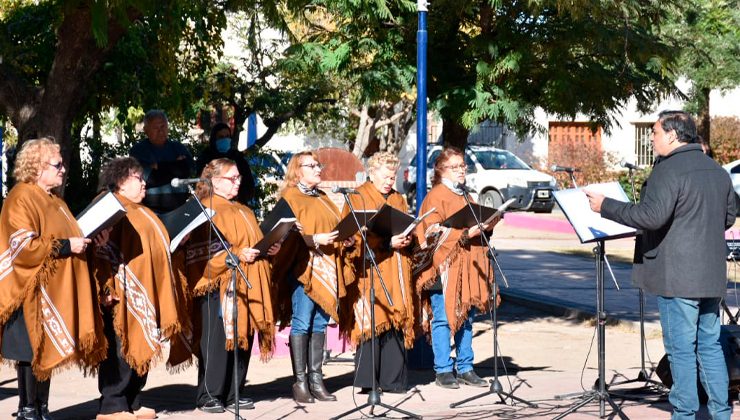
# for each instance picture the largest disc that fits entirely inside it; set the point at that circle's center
(280, 211)
(278, 232)
(348, 226)
(103, 212)
(390, 222)
(463, 218)
(183, 220)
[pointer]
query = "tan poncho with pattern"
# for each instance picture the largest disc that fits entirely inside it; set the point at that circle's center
(461, 265)
(240, 229)
(322, 270)
(57, 295)
(395, 267)
(135, 267)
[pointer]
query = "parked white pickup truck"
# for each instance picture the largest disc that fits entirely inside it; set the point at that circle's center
(496, 175)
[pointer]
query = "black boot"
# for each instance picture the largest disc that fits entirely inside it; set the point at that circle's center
(298, 354)
(30, 384)
(42, 399)
(315, 376)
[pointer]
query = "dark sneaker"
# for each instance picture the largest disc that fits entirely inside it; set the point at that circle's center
(447, 380)
(470, 378)
(212, 406)
(244, 404)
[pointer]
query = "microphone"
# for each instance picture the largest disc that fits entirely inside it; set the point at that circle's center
(461, 186)
(623, 163)
(568, 169)
(343, 190)
(179, 182)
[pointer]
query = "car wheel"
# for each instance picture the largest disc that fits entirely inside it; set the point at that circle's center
(491, 199)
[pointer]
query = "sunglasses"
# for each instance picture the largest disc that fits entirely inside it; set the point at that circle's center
(58, 166)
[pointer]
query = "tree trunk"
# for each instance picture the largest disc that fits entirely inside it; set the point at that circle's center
(454, 134)
(49, 111)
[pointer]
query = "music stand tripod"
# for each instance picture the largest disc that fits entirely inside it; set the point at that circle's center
(373, 398)
(232, 261)
(495, 388)
(643, 376)
(601, 393)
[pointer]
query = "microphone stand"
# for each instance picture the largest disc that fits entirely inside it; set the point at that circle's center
(232, 261)
(495, 387)
(643, 376)
(373, 397)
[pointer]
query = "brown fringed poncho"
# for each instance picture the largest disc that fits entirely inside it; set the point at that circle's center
(57, 296)
(394, 265)
(240, 229)
(322, 270)
(135, 267)
(461, 266)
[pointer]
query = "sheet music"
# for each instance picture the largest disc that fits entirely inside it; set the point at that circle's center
(100, 214)
(416, 222)
(589, 225)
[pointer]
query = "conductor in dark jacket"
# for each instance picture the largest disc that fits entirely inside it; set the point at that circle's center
(685, 207)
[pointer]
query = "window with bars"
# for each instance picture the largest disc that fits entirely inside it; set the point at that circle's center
(643, 146)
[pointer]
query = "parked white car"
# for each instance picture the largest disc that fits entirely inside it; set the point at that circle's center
(496, 175)
(733, 168)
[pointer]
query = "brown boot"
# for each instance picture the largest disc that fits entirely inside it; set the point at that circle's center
(298, 354)
(315, 376)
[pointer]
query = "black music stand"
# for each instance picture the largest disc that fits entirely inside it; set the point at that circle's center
(373, 398)
(232, 261)
(495, 388)
(591, 227)
(643, 376)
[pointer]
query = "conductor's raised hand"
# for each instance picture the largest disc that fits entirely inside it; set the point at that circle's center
(78, 245)
(399, 241)
(248, 255)
(594, 200)
(325, 238)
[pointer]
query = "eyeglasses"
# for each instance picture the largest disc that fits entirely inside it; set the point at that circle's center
(139, 177)
(58, 166)
(233, 179)
(460, 167)
(313, 166)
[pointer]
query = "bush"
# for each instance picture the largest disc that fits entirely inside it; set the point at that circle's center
(725, 139)
(593, 164)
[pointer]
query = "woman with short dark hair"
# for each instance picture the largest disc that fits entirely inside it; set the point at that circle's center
(139, 293)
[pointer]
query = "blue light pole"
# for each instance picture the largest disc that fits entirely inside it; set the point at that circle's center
(421, 104)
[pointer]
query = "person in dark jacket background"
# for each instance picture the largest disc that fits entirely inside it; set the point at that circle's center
(221, 145)
(686, 205)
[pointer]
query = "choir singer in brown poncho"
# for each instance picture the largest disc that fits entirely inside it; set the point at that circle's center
(211, 282)
(139, 294)
(309, 272)
(49, 315)
(452, 273)
(394, 325)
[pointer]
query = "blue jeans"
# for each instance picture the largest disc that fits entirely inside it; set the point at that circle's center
(691, 337)
(307, 315)
(443, 362)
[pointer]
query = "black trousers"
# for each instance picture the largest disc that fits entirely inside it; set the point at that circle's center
(119, 385)
(215, 363)
(390, 362)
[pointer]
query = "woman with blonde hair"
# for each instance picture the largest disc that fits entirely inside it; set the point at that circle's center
(394, 324)
(49, 316)
(452, 271)
(210, 280)
(310, 275)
